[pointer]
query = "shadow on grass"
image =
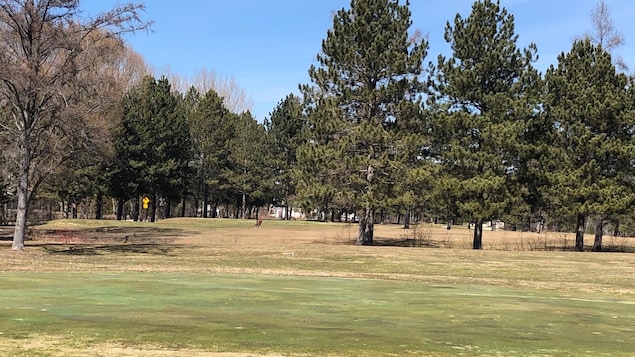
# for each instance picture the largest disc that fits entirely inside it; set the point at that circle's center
(409, 243)
(6, 233)
(79, 249)
(394, 242)
(608, 247)
(107, 240)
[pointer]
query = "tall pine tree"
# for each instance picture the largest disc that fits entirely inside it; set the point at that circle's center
(369, 65)
(591, 109)
(284, 134)
(248, 173)
(212, 131)
(483, 104)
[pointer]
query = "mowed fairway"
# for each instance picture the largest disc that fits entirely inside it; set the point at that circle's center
(194, 287)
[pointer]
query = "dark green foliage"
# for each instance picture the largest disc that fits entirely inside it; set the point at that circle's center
(230, 156)
(284, 135)
(82, 179)
(248, 172)
(212, 130)
(415, 174)
(484, 96)
(591, 109)
(152, 145)
(368, 67)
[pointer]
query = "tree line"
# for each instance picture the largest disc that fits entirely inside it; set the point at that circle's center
(379, 131)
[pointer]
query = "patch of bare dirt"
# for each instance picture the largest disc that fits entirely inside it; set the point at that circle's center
(59, 347)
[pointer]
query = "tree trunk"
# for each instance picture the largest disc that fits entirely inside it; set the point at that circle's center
(478, 235)
(579, 233)
(4, 216)
(99, 206)
(23, 200)
(135, 209)
(183, 201)
(616, 227)
(243, 206)
(214, 210)
(599, 232)
(366, 226)
(120, 205)
(406, 220)
(168, 208)
(205, 201)
(153, 208)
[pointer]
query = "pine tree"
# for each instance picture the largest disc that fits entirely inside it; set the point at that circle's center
(589, 104)
(369, 65)
(284, 132)
(153, 145)
(482, 95)
(212, 130)
(248, 172)
(414, 178)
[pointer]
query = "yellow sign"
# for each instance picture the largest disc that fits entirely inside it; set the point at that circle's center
(145, 200)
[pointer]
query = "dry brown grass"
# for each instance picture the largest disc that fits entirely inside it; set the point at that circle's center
(56, 346)
(516, 259)
(276, 233)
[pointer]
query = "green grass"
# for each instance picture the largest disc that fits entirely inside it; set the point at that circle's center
(221, 286)
(313, 315)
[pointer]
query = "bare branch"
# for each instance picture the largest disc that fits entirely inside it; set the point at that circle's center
(604, 33)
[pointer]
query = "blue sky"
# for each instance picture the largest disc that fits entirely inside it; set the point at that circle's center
(268, 45)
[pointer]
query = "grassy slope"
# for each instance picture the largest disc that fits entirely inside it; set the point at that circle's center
(300, 288)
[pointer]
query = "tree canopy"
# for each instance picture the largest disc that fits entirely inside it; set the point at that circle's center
(590, 105)
(369, 66)
(485, 94)
(49, 80)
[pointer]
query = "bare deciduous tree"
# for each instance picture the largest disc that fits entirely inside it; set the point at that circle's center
(234, 96)
(131, 68)
(605, 34)
(51, 78)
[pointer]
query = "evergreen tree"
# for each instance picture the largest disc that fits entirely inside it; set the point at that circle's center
(317, 172)
(212, 130)
(483, 104)
(368, 67)
(189, 103)
(414, 178)
(284, 132)
(248, 172)
(591, 108)
(152, 144)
